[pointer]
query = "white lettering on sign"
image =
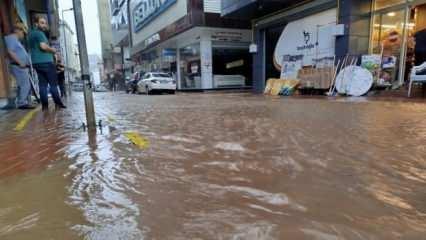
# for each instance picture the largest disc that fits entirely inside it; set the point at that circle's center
(225, 36)
(154, 38)
(312, 37)
(147, 10)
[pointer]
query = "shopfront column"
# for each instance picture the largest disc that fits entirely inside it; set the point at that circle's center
(356, 16)
(178, 70)
(206, 61)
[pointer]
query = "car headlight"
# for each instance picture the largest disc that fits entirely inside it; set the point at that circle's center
(154, 81)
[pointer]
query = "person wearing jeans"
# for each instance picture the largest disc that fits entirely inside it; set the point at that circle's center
(19, 61)
(47, 77)
(43, 62)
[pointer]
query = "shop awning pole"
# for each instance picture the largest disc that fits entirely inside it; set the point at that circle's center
(84, 63)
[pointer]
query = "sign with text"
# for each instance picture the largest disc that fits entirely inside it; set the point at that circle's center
(313, 37)
(148, 10)
(154, 38)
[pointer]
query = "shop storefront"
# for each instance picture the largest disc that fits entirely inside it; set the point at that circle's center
(5, 25)
(305, 32)
(393, 29)
(398, 33)
(202, 58)
(193, 43)
(3, 71)
(13, 11)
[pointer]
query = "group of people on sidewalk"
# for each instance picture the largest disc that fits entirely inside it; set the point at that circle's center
(44, 60)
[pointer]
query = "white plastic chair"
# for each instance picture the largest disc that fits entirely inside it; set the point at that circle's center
(414, 77)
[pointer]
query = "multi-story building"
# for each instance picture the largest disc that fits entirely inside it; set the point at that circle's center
(328, 28)
(190, 40)
(111, 55)
(121, 34)
(69, 52)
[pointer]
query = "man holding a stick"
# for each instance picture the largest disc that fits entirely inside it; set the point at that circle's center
(19, 66)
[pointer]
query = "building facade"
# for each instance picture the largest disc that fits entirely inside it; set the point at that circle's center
(69, 52)
(121, 33)
(190, 40)
(111, 55)
(12, 11)
(332, 28)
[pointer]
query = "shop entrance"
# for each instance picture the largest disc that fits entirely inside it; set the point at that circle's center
(232, 67)
(388, 39)
(399, 34)
(418, 33)
(272, 35)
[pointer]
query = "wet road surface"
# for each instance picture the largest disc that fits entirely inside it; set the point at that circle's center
(219, 166)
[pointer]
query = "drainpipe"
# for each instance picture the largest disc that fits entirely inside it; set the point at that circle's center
(129, 23)
(130, 31)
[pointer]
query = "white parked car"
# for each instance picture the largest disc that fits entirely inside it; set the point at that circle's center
(157, 82)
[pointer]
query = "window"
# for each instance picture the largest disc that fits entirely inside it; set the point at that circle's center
(190, 65)
(380, 4)
(161, 75)
(387, 40)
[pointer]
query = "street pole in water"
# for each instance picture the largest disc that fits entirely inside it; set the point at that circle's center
(84, 63)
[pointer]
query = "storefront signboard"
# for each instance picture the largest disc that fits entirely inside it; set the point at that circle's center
(291, 66)
(373, 64)
(313, 37)
(169, 52)
(148, 10)
(230, 35)
(154, 38)
(253, 48)
(235, 64)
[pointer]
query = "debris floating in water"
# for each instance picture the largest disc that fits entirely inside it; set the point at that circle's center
(137, 139)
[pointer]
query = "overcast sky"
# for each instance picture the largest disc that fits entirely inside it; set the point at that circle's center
(91, 22)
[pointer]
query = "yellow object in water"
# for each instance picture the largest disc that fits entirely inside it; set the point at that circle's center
(110, 119)
(25, 120)
(137, 139)
(275, 86)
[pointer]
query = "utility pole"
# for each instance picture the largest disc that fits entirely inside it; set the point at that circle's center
(84, 63)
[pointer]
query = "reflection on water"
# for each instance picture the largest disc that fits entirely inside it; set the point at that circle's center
(219, 167)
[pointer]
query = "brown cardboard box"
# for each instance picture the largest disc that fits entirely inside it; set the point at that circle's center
(317, 78)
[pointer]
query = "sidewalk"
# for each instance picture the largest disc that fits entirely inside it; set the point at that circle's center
(32, 139)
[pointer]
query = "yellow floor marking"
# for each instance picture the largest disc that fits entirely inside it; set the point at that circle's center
(26, 119)
(137, 139)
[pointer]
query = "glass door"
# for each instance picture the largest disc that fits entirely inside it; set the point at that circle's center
(388, 39)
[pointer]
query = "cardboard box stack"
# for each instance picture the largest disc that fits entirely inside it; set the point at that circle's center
(316, 78)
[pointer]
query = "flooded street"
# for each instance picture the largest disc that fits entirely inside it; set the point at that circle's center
(218, 166)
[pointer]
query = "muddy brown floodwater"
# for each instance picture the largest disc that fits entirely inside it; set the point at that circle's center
(219, 166)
